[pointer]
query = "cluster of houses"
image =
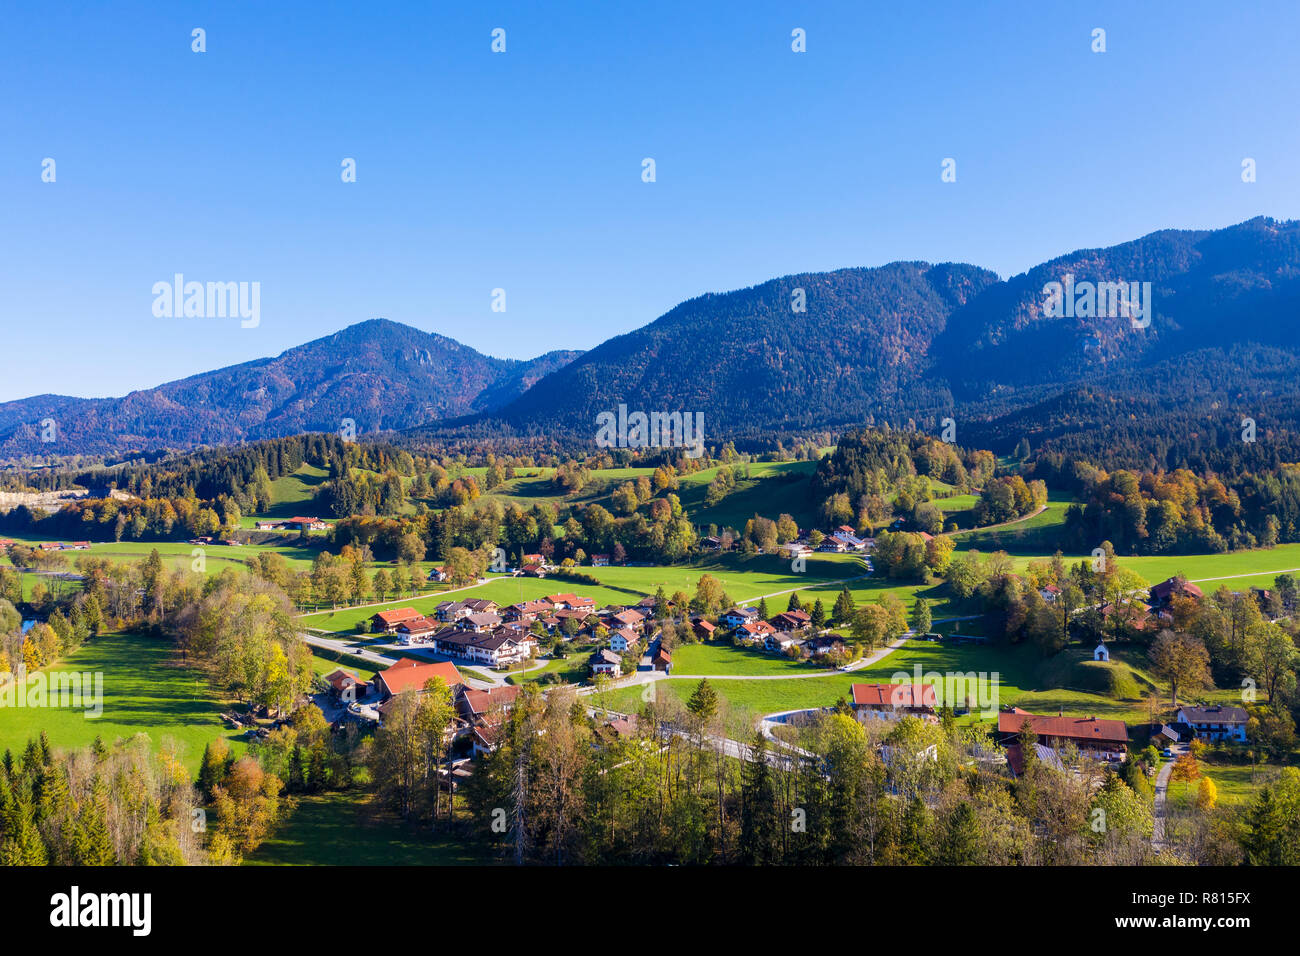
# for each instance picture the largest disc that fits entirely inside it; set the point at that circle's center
(293, 524)
(471, 631)
(841, 540)
(1095, 737)
(781, 633)
(1154, 613)
(482, 632)
(60, 545)
(479, 712)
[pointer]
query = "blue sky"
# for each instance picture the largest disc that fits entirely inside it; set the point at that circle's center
(522, 170)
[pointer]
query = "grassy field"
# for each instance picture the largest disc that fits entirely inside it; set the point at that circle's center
(1031, 537)
(571, 670)
(346, 829)
(146, 690)
(772, 489)
(722, 658)
(742, 579)
(1024, 680)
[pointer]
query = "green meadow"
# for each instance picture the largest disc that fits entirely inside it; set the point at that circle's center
(146, 690)
(341, 829)
(1070, 682)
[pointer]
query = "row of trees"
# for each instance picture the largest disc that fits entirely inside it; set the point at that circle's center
(562, 788)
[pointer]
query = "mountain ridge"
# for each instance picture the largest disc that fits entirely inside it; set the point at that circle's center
(907, 341)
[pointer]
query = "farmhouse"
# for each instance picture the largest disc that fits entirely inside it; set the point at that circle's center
(622, 639)
(740, 615)
(571, 601)
(888, 701)
(824, 643)
(386, 622)
(345, 685)
(600, 560)
(702, 628)
(780, 641)
(452, 611)
(481, 622)
(416, 630)
(475, 705)
(1219, 722)
(525, 612)
(755, 631)
(630, 619)
(791, 621)
(484, 711)
(408, 674)
(496, 649)
(307, 524)
(1094, 736)
(846, 541)
(1162, 593)
(605, 661)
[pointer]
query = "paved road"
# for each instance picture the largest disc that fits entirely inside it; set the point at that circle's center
(1162, 793)
(473, 676)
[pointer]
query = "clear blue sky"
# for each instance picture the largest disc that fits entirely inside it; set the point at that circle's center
(523, 170)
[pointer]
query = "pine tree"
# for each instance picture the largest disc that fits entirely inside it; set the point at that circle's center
(960, 844)
(97, 844)
(921, 618)
(795, 604)
(704, 702)
(762, 609)
(212, 770)
(296, 783)
(844, 607)
(915, 848)
(818, 615)
(757, 842)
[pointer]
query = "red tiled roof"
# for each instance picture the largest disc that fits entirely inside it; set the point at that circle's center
(1091, 729)
(482, 701)
(409, 674)
(419, 624)
(397, 615)
(894, 695)
(340, 679)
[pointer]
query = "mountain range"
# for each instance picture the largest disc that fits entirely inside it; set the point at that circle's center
(904, 341)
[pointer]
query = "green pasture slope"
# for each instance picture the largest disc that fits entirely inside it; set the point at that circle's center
(341, 829)
(1071, 681)
(146, 690)
(743, 579)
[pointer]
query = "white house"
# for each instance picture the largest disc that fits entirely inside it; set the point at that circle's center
(740, 615)
(780, 641)
(1100, 653)
(622, 639)
(606, 662)
(1220, 722)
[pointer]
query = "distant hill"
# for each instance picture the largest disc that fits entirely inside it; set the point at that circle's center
(381, 374)
(907, 342)
(749, 361)
(914, 342)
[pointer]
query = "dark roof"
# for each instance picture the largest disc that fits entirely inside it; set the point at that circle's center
(1218, 714)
